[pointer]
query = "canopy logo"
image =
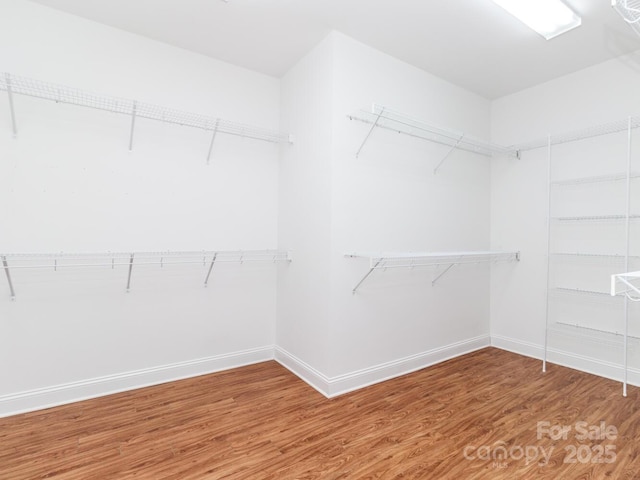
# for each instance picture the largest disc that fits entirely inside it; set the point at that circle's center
(593, 444)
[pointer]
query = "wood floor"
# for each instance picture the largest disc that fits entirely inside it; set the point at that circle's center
(487, 415)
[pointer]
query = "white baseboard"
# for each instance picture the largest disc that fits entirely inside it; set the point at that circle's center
(328, 386)
(517, 346)
(567, 359)
(97, 387)
(303, 370)
(333, 386)
(56, 395)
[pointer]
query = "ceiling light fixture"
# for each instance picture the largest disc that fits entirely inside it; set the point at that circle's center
(549, 18)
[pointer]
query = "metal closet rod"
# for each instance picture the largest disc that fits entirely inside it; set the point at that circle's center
(17, 85)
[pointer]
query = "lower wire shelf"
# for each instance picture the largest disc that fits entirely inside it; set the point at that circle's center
(55, 261)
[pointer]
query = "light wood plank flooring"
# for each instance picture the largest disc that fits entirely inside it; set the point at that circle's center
(487, 415)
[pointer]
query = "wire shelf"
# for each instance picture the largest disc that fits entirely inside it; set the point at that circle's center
(611, 256)
(74, 96)
(580, 291)
(431, 259)
(593, 334)
(596, 179)
(596, 218)
(109, 259)
(55, 261)
(384, 117)
(629, 10)
(582, 134)
(379, 261)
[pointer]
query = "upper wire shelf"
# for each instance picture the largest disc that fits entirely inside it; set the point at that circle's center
(582, 134)
(54, 261)
(63, 94)
(384, 117)
(429, 259)
(629, 10)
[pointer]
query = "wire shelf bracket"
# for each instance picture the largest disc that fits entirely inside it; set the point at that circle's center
(444, 159)
(442, 274)
(213, 260)
(5, 266)
(9, 88)
(142, 259)
(133, 125)
(18, 85)
(130, 271)
(631, 291)
(213, 139)
(373, 126)
(384, 117)
(428, 259)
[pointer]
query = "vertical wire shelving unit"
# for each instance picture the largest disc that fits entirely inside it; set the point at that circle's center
(622, 218)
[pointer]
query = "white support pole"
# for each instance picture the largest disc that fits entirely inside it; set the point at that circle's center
(626, 263)
(546, 325)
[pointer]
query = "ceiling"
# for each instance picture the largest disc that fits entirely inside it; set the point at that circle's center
(473, 43)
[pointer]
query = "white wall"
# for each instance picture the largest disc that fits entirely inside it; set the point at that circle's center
(387, 200)
(304, 225)
(519, 196)
(68, 183)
